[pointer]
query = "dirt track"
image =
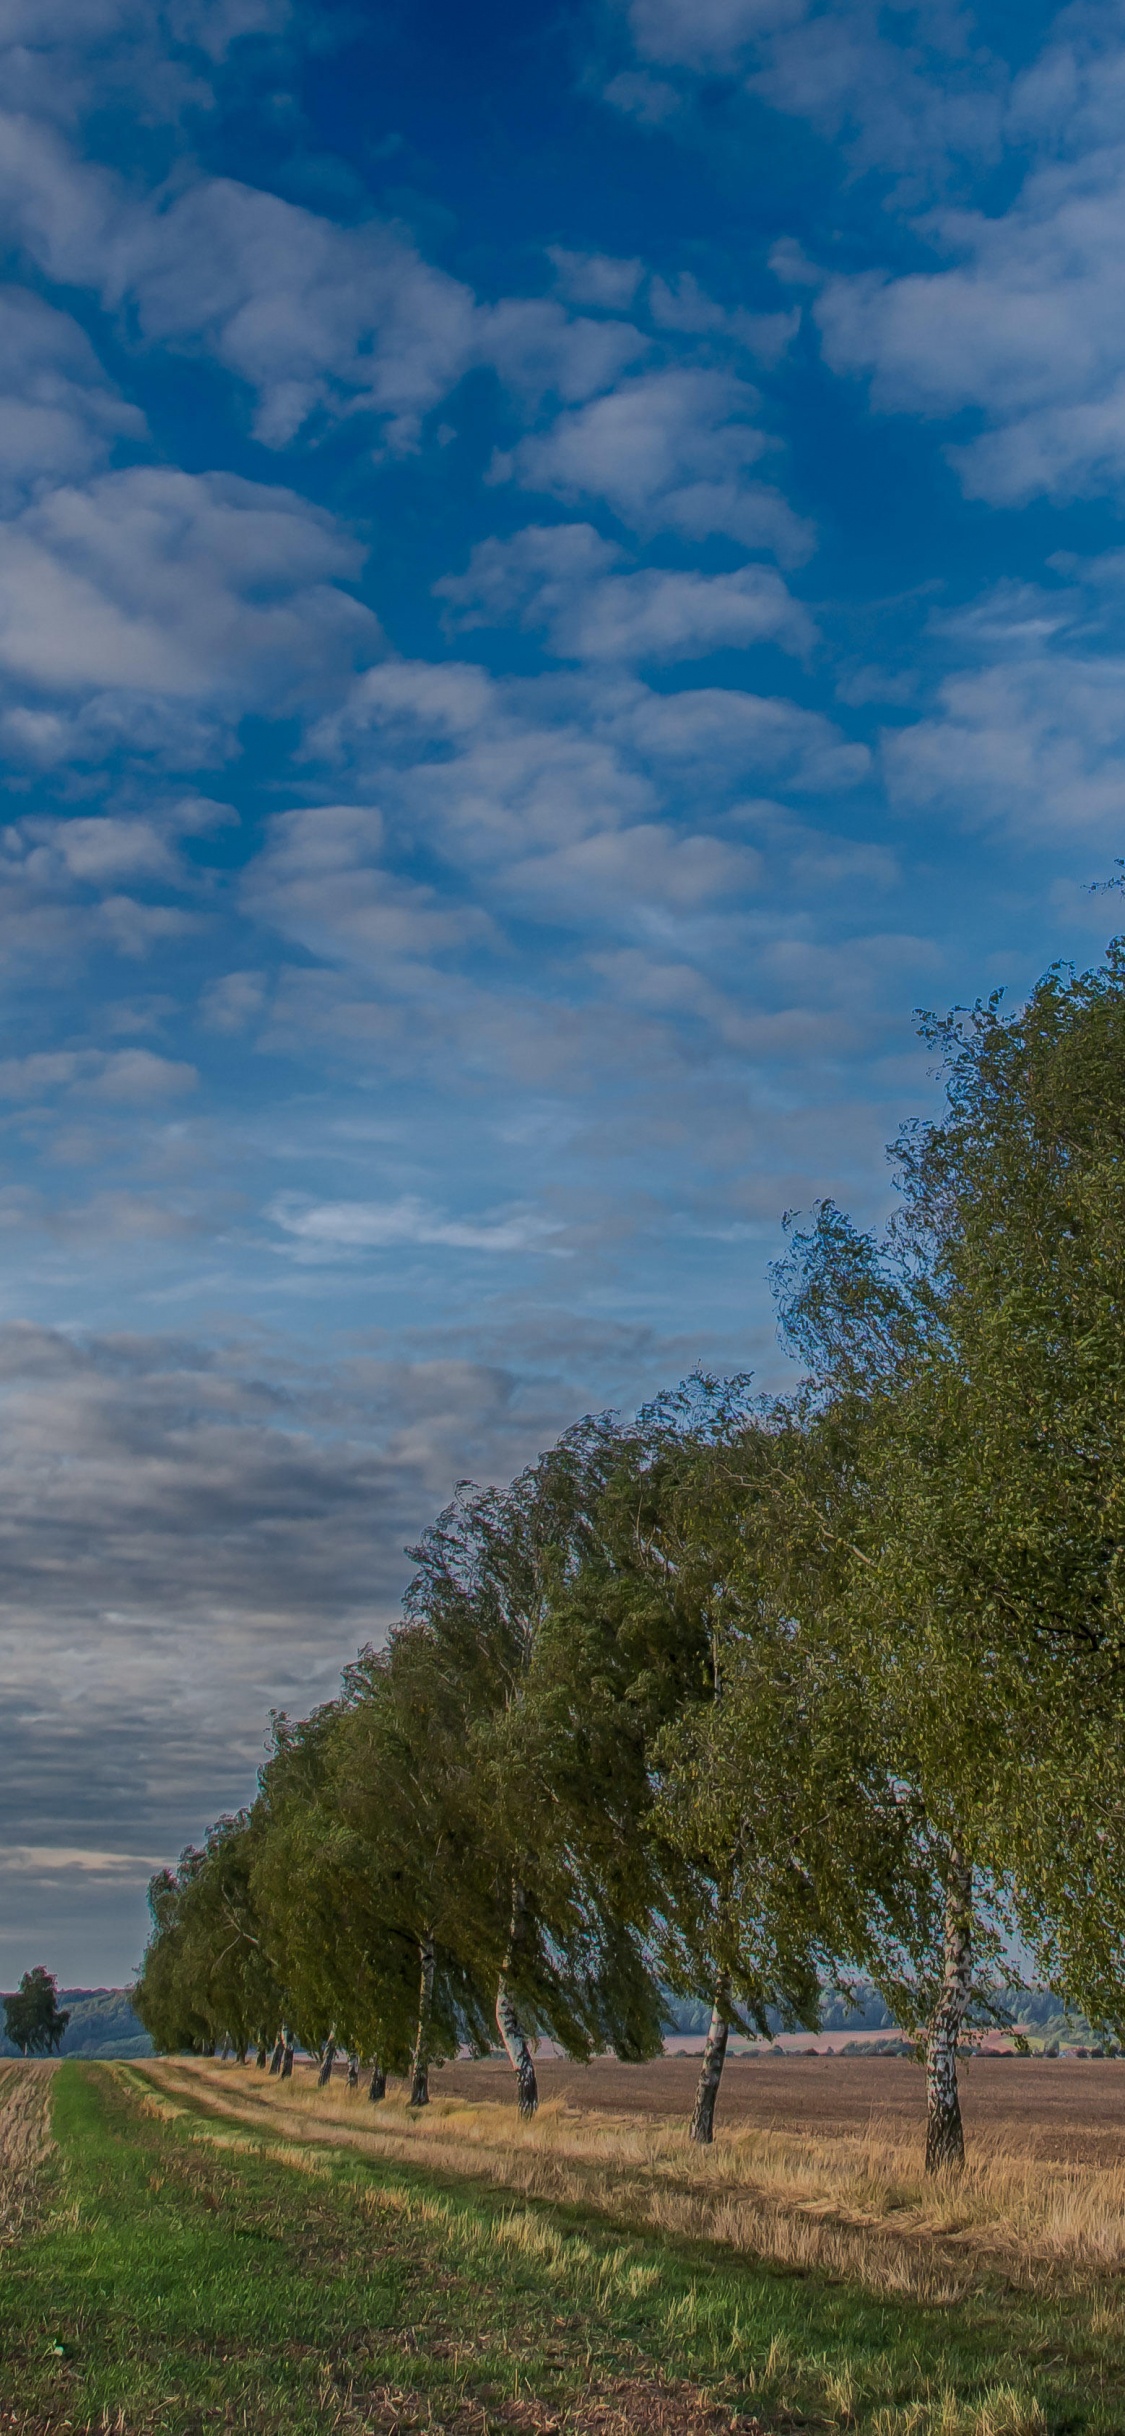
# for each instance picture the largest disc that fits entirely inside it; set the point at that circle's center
(1050, 2107)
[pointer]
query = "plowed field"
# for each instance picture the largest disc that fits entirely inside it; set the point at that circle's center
(1045, 2106)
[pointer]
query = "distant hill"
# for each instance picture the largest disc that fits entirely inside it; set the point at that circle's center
(1034, 2010)
(687, 2018)
(102, 2023)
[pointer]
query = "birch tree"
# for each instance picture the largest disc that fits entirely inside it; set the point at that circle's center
(403, 1791)
(493, 1576)
(976, 1353)
(207, 1973)
(349, 1970)
(1018, 1511)
(780, 1842)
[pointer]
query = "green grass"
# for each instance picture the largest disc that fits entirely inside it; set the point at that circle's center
(182, 2280)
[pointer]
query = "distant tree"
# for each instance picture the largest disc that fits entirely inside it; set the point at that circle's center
(31, 2017)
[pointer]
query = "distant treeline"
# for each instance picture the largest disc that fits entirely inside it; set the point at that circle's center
(102, 2023)
(749, 1696)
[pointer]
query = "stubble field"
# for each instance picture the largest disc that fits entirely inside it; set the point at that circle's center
(190, 2247)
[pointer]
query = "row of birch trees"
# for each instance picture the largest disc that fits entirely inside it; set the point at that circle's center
(748, 1697)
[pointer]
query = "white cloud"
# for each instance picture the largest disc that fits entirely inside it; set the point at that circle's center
(596, 279)
(622, 876)
(408, 698)
(558, 577)
(49, 1861)
(59, 899)
(212, 24)
(704, 33)
(664, 615)
(322, 879)
(63, 58)
(524, 770)
(128, 1075)
(139, 1075)
(135, 929)
(736, 737)
(1037, 749)
(638, 446)
(576, 799)
(532, 576)
(59, 415)
(915, 105)
(318, 319)
(179, 585)
(100, 849)
(233, 1001)
(217, 24)
(344, 1226)
(649, 99)
(681, 304)
(1028, 735)
(668, 451)
(541, 351)
(1021, 320)
(311, 315)
(910, 97)
(163, 734)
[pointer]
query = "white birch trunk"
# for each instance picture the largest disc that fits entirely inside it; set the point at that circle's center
(945, 2138)
(278, 2052)
(288, 2055)
(714, 2057)
(420, 2064)
(377, 2086)
(328, 2058)
(508, 2021)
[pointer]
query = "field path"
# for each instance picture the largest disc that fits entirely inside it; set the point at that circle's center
(257, 2258)
(854, 2206)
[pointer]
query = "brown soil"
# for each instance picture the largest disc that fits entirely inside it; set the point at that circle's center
(630, 2406)
(1046, 2106)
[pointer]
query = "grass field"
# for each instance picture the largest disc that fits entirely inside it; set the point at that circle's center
(184, 2248)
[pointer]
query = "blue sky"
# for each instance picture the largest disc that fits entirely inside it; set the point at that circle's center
(561, 572)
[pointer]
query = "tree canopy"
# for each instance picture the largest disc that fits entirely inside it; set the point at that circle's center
(747, 1694)
(32, 2019)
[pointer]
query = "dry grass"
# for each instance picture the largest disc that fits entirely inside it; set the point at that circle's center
(25, 2140)
(1004, 2412)
(856, 2207)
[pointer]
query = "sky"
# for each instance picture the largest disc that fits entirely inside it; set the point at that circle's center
(561, 574)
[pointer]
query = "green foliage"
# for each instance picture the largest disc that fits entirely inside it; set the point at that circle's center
(733, 1696)
(207, 1974)
(781, 1843)
(100, 2022)
(556, 1756)
(347, 1967)
(976, 1354)
(32, 2020)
